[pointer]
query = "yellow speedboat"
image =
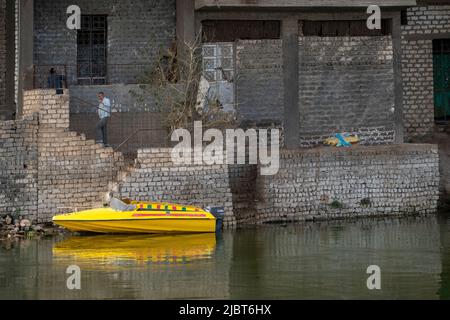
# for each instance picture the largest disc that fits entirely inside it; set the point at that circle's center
(142, 217)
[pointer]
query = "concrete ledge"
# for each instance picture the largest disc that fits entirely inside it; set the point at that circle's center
(360, 150)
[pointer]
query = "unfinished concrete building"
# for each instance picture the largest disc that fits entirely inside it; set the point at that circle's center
(310, 68)
(307, 66)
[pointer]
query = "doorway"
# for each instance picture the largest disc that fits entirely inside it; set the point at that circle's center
(441, 70)
(91, 50)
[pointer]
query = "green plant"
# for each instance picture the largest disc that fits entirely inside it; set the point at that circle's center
(17, 213)
(336, 204)
(366, 202)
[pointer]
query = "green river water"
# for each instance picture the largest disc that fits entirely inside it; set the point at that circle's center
(321, 260)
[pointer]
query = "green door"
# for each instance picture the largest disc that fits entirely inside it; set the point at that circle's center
(441, 61)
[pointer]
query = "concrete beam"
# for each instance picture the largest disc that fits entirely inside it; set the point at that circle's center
(353, 14)
(214, 4)
(290, 80)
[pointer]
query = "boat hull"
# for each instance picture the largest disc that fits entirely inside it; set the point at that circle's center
(145, 219)
(155, 226)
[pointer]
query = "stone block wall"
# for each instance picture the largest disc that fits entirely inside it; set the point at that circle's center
(243, 189)
(342, 183)
(346, 84)
(137, 30)
(259, 80)
(19, 166)
(424, 23)
(53, 109)
(46, 169)
(156, 178)
(74, 173)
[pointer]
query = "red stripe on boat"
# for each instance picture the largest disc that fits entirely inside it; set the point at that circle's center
(165, 215)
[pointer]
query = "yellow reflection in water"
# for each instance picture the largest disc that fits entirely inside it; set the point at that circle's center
(109, 251)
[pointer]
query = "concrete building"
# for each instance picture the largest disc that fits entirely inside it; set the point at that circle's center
(310, 67)
(306, 66)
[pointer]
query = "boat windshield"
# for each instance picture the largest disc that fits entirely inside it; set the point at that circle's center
(121, 206)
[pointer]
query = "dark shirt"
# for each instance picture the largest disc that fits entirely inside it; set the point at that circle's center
(54, 81)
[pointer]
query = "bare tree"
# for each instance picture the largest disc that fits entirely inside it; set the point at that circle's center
(175, 82)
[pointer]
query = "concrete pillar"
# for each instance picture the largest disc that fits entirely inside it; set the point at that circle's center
(10, 59)
(26, 43)
(398, 79)
(290, 77)
(185, 21)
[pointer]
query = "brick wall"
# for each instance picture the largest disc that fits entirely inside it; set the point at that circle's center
(259, 84)
(336, 86)
(73, 172)
(2, 59)
(346, 84)
(362, 181)
(417, 64)
(136, 31)
(243, 189)
(53, 109)
(46, 169)
(19, 166)
(156, 178)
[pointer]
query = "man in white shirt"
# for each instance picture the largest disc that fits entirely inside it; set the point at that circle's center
(104, 113)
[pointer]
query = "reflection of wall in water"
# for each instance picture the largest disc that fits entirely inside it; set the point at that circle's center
(444, 290)
(246, 270)
(329, 260)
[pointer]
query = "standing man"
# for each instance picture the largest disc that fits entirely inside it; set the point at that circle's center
(104, 112)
